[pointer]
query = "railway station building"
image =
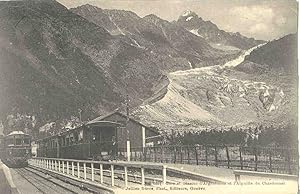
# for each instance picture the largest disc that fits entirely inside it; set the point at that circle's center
(139, 134)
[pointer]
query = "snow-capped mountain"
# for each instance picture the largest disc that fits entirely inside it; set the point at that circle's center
(58, 63)
(153, 34)
(210, 32)
(55, 62)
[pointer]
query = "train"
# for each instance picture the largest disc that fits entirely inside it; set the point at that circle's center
(16, 149)
(92, 141)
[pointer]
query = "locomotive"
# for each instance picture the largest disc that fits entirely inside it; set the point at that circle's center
(16, 149)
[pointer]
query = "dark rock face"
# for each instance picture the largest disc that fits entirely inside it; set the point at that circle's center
(51, 65)
(276, 63)
(279, 55)
(210, 32)
(54, 62)
(151, 33)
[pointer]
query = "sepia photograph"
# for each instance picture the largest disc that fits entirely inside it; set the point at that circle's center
(149, 96)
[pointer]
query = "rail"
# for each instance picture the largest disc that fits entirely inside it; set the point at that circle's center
(238, 173)
(81, 169)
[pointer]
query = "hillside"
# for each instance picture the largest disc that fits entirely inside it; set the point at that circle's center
(278, 55)
(57, 66)
(151, 33)
(230, 95)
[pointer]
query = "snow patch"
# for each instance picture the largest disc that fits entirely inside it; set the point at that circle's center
(189, 18)
(55, 70)
(190, 65)
(195, 31)
(137, 44)
(119, 29)
(187, 12)
(241, 58)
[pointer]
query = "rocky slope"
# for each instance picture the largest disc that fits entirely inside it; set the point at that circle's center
(55, 63)
(278, 55)
(157, 36)
(276, 63)
(222, 97)
(210, 32)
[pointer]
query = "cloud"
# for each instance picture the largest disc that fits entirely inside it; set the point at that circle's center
(260, 21)
(253, 14)
(257, 28)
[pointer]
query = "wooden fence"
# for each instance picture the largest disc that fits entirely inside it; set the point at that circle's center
(264, 159)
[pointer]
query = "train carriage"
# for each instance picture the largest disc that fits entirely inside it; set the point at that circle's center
(90, 141)
(16, 149)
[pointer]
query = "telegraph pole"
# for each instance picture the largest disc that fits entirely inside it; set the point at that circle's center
(127, 130)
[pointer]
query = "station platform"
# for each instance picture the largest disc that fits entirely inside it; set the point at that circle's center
(188, 179)
(6, 181)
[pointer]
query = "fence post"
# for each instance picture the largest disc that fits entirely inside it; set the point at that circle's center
(206, 156)
(67, 167)
(270, 159)
(93, 173)
(289, 161)
(125, 176)
(162, 154)
(164, 174)
(63, 167)
(78, 170)
(101, 173)
(181, 155)
(241, 158)
(155, 156)
(112, 175)
(73, 171)
(188, 150)
(175, 153)
(58, 166)
(143, 175)
(228, 159)
(216, 156)
(255, 157)
(196, 153)
(84, 171)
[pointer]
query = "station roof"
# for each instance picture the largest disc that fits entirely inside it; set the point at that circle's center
(103, 117)
(17, 133)
(102, 123)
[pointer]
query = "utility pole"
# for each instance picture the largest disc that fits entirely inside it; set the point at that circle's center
(79, 111)
(127, 129)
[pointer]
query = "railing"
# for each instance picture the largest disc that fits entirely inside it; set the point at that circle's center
(265, 159)
(238, 173)
(88, 170)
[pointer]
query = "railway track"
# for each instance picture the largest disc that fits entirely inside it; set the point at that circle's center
(47, 184)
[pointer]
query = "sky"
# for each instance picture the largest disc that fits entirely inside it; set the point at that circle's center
(261, 19)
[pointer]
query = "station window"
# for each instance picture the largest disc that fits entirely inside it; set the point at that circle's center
(75, 137)
(71, 137)
(18, 141)
(26, 141)
(80, 136)
(10, 142)
(67, 141)
(63, 141)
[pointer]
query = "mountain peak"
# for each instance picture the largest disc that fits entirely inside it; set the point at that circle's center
(188, 13)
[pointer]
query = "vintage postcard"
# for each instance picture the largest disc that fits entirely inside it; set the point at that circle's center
(149, 96)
